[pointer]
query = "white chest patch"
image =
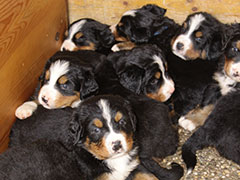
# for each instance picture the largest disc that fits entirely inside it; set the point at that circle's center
(226, 84)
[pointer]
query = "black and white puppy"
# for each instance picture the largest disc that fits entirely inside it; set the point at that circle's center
(144, 25)
(88, 34)
(66, 79)
(221, 129)
(106, 127)
(154, 127)
(144, 70)
(197, 53)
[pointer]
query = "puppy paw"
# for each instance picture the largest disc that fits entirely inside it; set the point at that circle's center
(115, 48)
(186, 123)
(25, 110)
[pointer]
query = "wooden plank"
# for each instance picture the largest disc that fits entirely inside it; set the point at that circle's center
(28, 31)
(109, 11)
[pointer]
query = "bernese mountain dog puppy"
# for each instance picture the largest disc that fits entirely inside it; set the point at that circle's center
(88, 34)
(221, 129)
(144, 70)
(144, 25)
(154, 127)
(197, 51)
(106, 127)
(41, 147)
(66, 79)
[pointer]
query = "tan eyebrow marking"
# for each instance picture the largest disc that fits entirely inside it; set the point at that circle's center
(118, 116)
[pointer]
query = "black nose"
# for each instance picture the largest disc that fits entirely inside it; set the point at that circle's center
(117, 145)
(63, 49)
(44, 99)
(180, 46)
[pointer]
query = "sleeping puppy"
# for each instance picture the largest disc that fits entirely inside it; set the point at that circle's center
(221, 129)
(144, 25)
(197, 52)
(88, 34)
(106, 127)
(66, 79)
(41, 147)
(144, 70)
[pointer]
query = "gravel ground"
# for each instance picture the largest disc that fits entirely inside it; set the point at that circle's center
(210, 165)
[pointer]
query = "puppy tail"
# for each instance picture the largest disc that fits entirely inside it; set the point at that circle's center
(196, 142)
(175, 173)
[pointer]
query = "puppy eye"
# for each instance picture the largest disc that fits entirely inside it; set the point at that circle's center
(154, 81)
(64, 86)
(122, 122)
(96, 130)
(198, 39)
(234, 49)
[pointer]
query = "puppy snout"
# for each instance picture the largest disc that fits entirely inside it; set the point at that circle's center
(179, 46)
(45, 99)
(235, 72)
(116, 145)
(171, 90)
(63, 49)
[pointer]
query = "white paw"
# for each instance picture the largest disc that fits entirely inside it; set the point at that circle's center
(25, 110)
(186, 123)
(115, 48)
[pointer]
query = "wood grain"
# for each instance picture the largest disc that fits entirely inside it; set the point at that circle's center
(109, 11)
(27, 39)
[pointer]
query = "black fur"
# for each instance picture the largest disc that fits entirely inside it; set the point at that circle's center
(93, 32)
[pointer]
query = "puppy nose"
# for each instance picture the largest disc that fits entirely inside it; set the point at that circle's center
(171, 90)
(117, 145)
(44, 99)
(63, 49)
(180, 46)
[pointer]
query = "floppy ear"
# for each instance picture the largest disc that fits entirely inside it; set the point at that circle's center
(131, 77)
(89, 85)
(215, 47)
(106, 37)
(75, 130)
(131, 115)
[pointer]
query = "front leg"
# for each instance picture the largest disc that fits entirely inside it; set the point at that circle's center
(26, 109)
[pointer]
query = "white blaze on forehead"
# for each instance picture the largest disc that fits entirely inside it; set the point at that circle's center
(185, 39)
(159, 61)
(57, 69)
(75, 28)
(130, 13)
(112, 136)
(68, 44)
(194, 23)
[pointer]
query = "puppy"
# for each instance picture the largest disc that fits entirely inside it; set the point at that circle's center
(197, 52)
(66, 79)
(144, 25)
(154, 127)
(88, 34)
(144, 70)
(106, 127)
(39, 161)
(221, 129)
(45, 135)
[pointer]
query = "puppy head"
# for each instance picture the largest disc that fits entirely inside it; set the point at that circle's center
(232, 54)
(137, 25)
(65, 82)
(104, 126)
(144, 70)
(88, 34)
(201, 36)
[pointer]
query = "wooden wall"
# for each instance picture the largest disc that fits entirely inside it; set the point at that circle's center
(109, 11)
(30, 32)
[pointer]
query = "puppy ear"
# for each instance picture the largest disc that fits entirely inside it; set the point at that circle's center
(106, 37)
(215, 47)
(132, 78)
(89, 85)
(131, 115)
(75, 130)
(155, 9)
